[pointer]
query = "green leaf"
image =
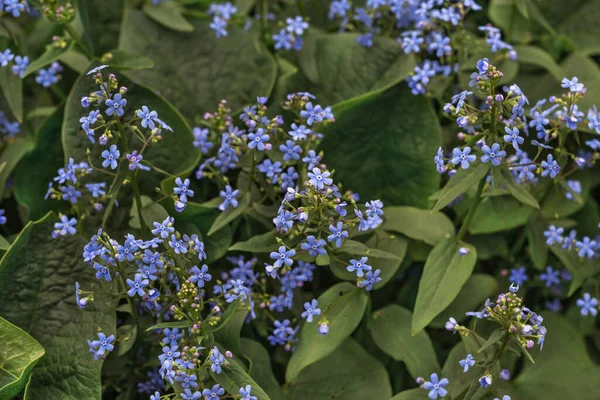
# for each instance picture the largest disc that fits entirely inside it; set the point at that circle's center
(394, 146)
(169, 14)
(517, 190)
(496, 336)
(51, 54)
(11, 156)
(343, 305)
(478, 288)
(489, 246)
(460, 183)
(497, 214)
(536, 56)
(170, 325)
(4, 244)
(459, 381)
(556, 205)
(229, 335)
(18, 355)
(237, 67)
(537, 247)
(430, 227)
(391, 332)
(76, 61)
(122, 60)
(226, 316)
(260, 368)
(580, 268)
(161, 155)
(126, 335)
(12, 88)
(230, 215)
(444, 275)
(31, 184)
(412, 394)
(552, 376)
(151, 212)
(578, 22)
(37, 282)
(264, 243)
(348, 372)
(235, 376)
(101, 21)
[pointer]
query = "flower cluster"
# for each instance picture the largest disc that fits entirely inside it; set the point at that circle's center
(290, 37)
(13, 7)
(585, 248)
(47, 77)
(18, 64)
(222, 14)
(7, 128)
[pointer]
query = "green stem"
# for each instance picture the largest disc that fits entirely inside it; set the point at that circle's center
(472, 209)
(71, 31)
(251, 175)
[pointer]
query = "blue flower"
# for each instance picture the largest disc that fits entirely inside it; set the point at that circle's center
(137, 285)
(319, 179)
(311, 309)
(483, 65)
(70, 194)
(188, 395)
(512, 136)
(246, 393)
(177, 245)
(550, 167)
(3, 218)
(284, 221)
(296, 25)
(337, 234)
(14, 7)
(338, 8)
(270, 169)
(96, 189)
(299, 132)
(257, 140)
(201, 140)
(288, 178)
(439, 161)
(155, 396)
(290, 150)
(518, 275)
(573, 85)
(312, 159)
(104, 343)
(214, 393)
(494, 154)
(411, 41)
(172, 336)
(64, 226)
(586, 247)
(115, 105)
(312, 113)
(588, 305)
(451, 325)
(148, 117)
(459, 100)
(575, 187)
(20, 66)
(462, 157)
(98, 68)
(217, 359)
(81, 302)
(187, 380)
(371, 278)
(283, 40)
(505, 397)
(550, 277)
(182, 189)
(439, 44)
(111, 157)
(485, 381)
(135, 161)
(283, 256)
(200, 275)
(554, 235)
(219, 25)
(5, 57)
(365, 40)
(360, 266)
(436, 386)
(229, 196)
(163, 229)
(469, 361)
(46, 77)
(102, 272)
(314, 246)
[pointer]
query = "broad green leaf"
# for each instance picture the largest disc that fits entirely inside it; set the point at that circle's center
(224, 318)
(343, 305)
(412, 394)
(460, 183)
(562, 370)
(504, 14)
(230, 215)
(444, 275)
(430, 227)
(336, 68)
(519, 192)
(151, 212)
(393, 147)
(51, 54)
(37, 282)
(76, 61)
(264, 243)
(4, 244)
(30, 183)
(101, 21)
(234, 376)
(489, 246)
(390, 329)
(170, 325)
(478, 288)
(229, 335)
(556, 204)
(497, 214)
(161, 155)
(580, 268)
(126, 336)
(237, 67)
(496, 336)
(12, 88)
(169, 14)
(260, 368)
(348, 372)
(536, 56)
(537, 247)
(18, 355)
(11, 156)
(122, 60)
(580, 25)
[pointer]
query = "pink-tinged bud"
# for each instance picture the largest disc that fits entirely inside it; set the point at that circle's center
(530, 344)
(504, 272)
(228, 354)
(268, 146)
(206, 116)
(217, 309)
(489, 100)
(461, 136)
